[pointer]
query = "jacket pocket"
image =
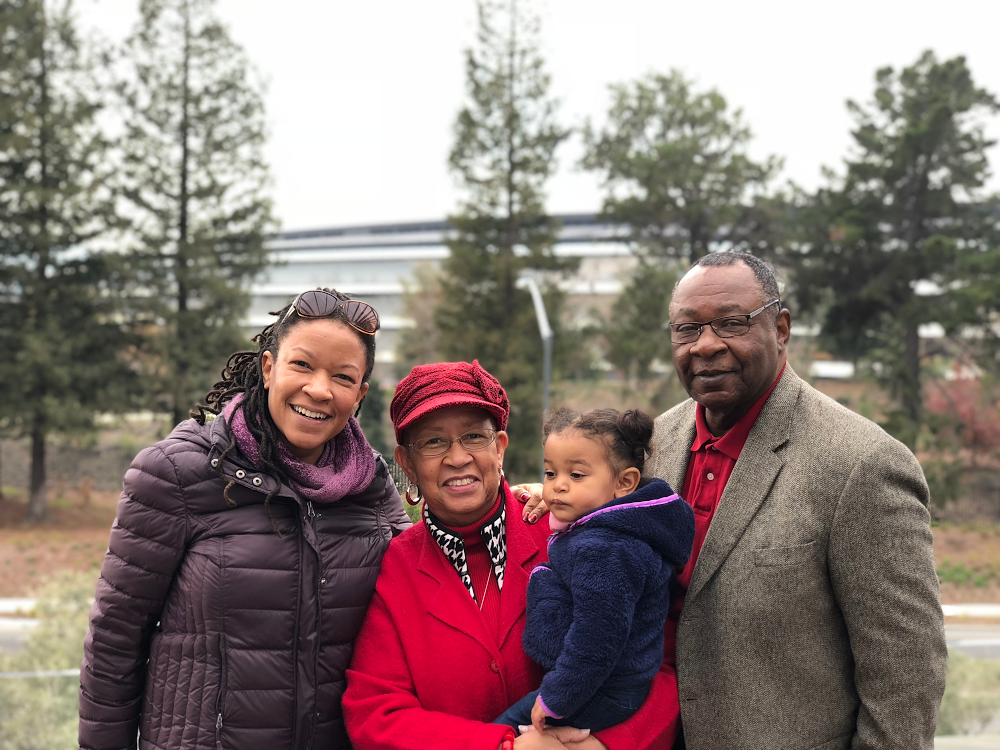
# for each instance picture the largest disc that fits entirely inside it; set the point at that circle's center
(220, 701)
(781, 556)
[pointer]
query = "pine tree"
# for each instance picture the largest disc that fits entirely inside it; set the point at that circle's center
(418, 344)
(675, 165)
(372, 419)
(65, 349)
(504, 152)
(972, 303)
(882, 244)
(195, 180)
(634, 331)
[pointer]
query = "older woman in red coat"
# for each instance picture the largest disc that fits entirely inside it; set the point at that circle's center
(439, 656)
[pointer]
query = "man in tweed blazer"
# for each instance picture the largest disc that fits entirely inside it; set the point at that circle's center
(812, 616)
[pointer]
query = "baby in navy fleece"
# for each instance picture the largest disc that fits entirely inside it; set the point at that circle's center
(596, 609)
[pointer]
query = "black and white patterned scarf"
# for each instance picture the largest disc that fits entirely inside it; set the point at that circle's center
(494, 532)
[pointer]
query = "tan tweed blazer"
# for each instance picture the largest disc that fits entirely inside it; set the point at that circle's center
(813, 619)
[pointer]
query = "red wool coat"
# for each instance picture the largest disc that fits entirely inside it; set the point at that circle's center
(427, 673)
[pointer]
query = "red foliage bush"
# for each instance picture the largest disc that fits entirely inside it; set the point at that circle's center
(969, 410)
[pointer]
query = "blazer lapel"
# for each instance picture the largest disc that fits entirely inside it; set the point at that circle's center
(751, 480)
(672, 441)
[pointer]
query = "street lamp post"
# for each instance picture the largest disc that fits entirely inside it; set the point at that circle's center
(547, 336)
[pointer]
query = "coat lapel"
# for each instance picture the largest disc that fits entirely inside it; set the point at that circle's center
(451, 604)
(751, 480)
(672, 440)
(522, 556)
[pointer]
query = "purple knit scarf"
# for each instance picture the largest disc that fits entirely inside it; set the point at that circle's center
(346, 467)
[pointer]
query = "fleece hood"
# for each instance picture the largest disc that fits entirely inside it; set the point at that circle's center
(654, 513)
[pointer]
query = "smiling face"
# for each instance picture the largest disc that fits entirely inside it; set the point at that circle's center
(314, 384)
(579, 477)
(727, 376)
(459, 486)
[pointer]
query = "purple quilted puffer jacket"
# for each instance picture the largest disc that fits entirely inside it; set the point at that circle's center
(211, 631)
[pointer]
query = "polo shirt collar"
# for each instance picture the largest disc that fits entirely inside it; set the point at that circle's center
(731, 443)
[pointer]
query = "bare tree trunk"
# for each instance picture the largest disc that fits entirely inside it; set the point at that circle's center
(509, 261)
(37, 500)
(910, 393)
(911, 397)
(699, 241)
(182, 366)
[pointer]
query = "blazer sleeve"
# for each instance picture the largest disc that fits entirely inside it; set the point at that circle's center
(607, 581)
(147, 543)
(381, 708)
(881, 564)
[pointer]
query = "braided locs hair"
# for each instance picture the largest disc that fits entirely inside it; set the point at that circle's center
(244, 374)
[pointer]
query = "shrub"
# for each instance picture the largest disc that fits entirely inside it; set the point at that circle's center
(41, 713)
(972, 695)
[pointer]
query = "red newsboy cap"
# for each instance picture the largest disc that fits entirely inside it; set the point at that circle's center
(431, 387)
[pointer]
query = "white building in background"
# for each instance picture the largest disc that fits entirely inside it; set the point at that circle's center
(376, 263)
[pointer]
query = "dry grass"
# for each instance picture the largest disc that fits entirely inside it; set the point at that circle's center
(73, 540)
(76, 538)
(972, 696)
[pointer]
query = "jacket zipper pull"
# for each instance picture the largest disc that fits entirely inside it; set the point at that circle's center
(309, 509)
(218, 732)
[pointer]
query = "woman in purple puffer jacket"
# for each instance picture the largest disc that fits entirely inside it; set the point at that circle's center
(245, 552)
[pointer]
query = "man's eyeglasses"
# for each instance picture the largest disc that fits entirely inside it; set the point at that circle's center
(438, 446)
(317, 303)
(726, 327)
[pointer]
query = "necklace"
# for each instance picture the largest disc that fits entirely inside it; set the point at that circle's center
(485, 589)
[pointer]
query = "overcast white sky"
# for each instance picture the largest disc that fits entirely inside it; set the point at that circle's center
(363, 93)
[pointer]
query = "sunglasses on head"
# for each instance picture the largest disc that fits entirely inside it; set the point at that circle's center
(317, 303)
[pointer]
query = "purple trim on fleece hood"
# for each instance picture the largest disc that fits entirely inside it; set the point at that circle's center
(651, 514)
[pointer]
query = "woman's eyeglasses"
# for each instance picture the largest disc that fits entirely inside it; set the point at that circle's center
(317, 303)
(438, 446)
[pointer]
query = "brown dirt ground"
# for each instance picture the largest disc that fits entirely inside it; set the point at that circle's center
(76, 538)
(971, 553)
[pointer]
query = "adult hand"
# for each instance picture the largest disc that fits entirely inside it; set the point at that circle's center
(557, 738)
(590, 742)
(531, 496)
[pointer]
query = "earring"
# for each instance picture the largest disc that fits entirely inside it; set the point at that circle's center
(413, 496)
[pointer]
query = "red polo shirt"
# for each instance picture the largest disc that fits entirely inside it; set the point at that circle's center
(710, 467)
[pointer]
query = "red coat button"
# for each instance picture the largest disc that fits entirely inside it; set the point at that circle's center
(495, 667)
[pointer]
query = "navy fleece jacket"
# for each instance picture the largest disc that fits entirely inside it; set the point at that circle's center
(596, 609)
